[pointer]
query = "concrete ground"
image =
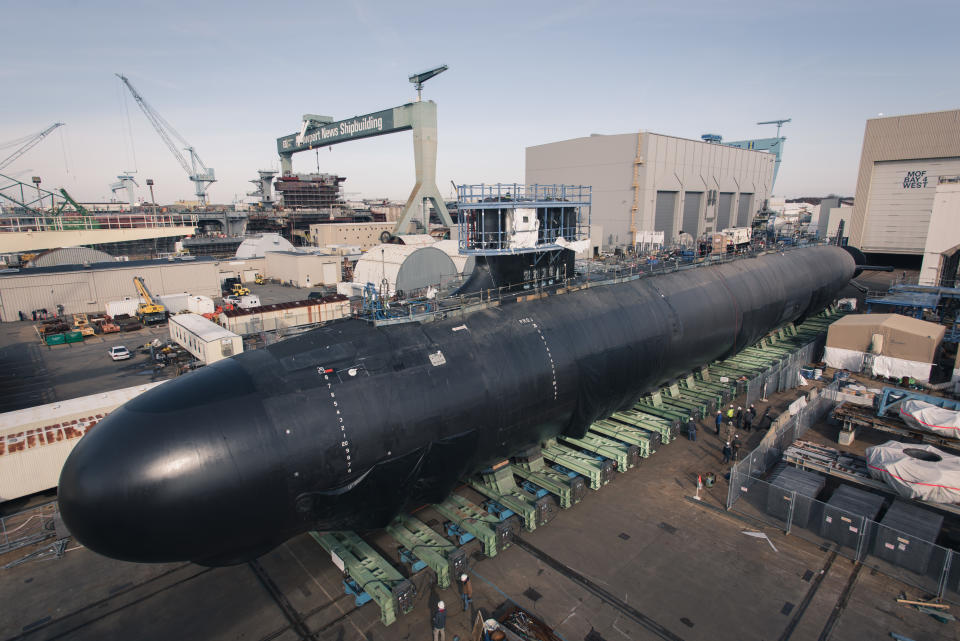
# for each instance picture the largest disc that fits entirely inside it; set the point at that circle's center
(32, 373)
(637, 559)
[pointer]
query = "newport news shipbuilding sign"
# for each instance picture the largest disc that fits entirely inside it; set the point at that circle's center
(375, 124)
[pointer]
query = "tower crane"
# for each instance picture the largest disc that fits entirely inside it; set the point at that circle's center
(196, 170)
(28, 143)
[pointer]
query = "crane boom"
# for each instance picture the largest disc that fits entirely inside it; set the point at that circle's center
(31, 142)
(196, 170)
(143, 291)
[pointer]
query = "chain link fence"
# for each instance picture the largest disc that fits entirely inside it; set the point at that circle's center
(903, 556)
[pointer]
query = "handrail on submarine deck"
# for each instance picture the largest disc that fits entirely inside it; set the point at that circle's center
(462, 306)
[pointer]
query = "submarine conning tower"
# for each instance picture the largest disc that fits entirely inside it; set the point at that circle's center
(523, 236)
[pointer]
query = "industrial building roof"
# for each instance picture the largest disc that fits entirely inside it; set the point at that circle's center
(53, 269)
(71, 256)
(202, 328)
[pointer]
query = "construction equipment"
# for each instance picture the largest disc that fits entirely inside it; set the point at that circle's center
(26, 144)
(81, 323)
(196, 170)
(149, 311)
(258, 279)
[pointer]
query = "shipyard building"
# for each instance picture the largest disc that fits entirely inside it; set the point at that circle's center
(906, 199)
(652, 182)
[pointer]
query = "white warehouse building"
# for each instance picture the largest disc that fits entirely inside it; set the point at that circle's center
(653, 182)
(908, 191)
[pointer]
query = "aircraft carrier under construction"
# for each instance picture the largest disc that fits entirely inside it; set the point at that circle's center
(537, 411)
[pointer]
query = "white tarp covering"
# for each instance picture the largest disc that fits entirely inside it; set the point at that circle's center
(900, 367)
(930, 418)
(916, 471)
(840, 358)
(577, 246)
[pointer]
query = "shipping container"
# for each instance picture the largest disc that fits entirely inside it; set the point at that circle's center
(200, 305)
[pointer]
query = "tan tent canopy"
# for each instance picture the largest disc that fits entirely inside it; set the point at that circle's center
(901, 336)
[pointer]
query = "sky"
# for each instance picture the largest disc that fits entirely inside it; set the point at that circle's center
(233, 77)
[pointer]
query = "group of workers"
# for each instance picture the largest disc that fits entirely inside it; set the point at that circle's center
(736, 419)
(439, 620)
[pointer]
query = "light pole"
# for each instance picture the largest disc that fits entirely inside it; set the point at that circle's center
(36, 181)
(152, 199)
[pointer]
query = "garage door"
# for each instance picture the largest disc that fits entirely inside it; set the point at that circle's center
(745, 209)
(225, 275)
(249, 275)
(663, 215)
(723, 210)
(691, 213)
(901, 199)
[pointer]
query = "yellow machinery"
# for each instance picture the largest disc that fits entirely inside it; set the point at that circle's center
(148, 311)
(258, 279)
(82, 324)
(239, 290)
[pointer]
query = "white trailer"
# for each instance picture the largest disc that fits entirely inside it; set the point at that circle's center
(35, 442)
(206, 340)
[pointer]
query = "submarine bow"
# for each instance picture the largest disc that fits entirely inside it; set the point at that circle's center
(345, 426)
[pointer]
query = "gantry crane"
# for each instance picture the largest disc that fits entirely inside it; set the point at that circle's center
(28, 143)
(196, 170)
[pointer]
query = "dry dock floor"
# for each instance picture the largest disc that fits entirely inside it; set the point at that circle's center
(637, 559)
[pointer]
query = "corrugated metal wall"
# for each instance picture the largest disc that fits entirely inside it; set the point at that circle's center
(916, 136)
(691, 212)
(901, 202)
(89, 291)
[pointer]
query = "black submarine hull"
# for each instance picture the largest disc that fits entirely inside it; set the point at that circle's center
(347, 425)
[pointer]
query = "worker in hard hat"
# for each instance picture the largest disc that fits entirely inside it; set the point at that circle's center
(439, 622)
(466, 591)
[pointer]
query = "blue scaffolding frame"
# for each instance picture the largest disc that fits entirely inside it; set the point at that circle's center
(482, 224)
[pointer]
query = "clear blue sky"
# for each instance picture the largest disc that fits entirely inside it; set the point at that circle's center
(232, 77)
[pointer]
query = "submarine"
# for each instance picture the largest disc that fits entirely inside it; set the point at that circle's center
(343, 427)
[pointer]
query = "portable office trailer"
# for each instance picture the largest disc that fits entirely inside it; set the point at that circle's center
(206, 340)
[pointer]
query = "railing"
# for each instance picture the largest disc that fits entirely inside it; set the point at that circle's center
(589, 274)
(95, 221)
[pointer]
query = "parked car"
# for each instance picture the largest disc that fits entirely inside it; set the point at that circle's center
(119, 353)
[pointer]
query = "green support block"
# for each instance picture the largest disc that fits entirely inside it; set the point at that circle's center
(499, 485)
(375, 576)
(494, 535)
(626, 456)
(599, 473)
(531, 467)
(645, 440)
(669, 429)
(442, 556)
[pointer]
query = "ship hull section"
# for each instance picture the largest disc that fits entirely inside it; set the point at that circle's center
(345, 426)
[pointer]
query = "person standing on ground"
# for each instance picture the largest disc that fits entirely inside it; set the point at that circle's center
(736, 447)
(731, 430)
(730, 412)
(727, 452)
(738, 417)
(440, 622)
(466, 591)
(747, 421)
(752, 412)
(765, 417)
(691, 429)
(719, 421)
